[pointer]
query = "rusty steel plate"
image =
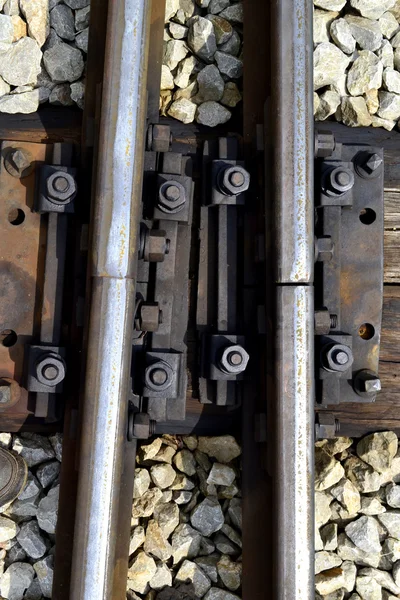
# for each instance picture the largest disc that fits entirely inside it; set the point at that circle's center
(22, 256)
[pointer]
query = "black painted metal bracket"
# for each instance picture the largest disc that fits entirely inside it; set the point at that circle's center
(349, 273)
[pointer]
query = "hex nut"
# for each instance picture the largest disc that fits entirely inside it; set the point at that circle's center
(18, 162)
(141, 426)
(234, 359)
(158, 376)
(367, 383)
(322, 322)
(373, 163)
(160, 138)
(337, 357)
(149, 317)
(61, 187)
(326, 426)
(171, 197)
(156, 245)
(324, 144)
(341, 180)
(50, 369)
(233, 181)
(324, 248)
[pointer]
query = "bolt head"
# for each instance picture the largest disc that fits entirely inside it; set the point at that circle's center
(234, 359)
(341, 358)
(337, 357)
(373, 163)
(171, 197)
(20, 159)
(172, 193)
(158, 376)
(50, 372)
(373, 385)
(61, 187)
(235, 180)
(341, 180)
(18, 163)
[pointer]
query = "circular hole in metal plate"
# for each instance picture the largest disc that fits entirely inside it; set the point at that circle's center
(367, 216)
(16, 216)
(366, 331)
(8, 338)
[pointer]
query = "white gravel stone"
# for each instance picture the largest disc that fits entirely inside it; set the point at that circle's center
(163, 475)
(365, 74)
(166, 453)
(349, 551)
(388, 24)
(189, 8)
(177, 31)
(31, 540)
(38, 19)
(372, 9)
(48, 511)
(385, 123)
(207, 517)
(322, 21)
(62, 20)
(183, 109)
(329, 536)
(182, 497)
(364, 477)
(395, 41)
(347, 494)
(11, 8)
(396, 573)
(232, 46)
(349, 571)
(330, 4)
(230, 573)
(382, 578)
(20, 103)
(328, 470)
(171, 8)
(174, 52)
(63, 63)
(386, 55)
(391, 80)
(221, 474)
(20, 65)
(182, 482)
(137, 539)
(186, 69)
(156, 542)
(329, 581)
(145, 505)
(391, 522)
(141, 571)
(389, 108)
(162, 577)
(5, 438)
(318, 543)
(141, 482)
(364, 534)
(184, 460)
(148, 451)
(367, 33)
(326, 560)
(201, 38)
(45, 570)
(8, 529)
(15, 580)
(185, 543)
(19, 26)
(167, 516)
(322, 508)
(190, 572)
(329, 64)
(48, 472)
(378, 449)
(6, 30)
(341, 34)
(371, 506)
(215, 593)
(328, 103)
(368, 588)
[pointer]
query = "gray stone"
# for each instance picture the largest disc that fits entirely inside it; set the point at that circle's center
(63, 22)
(141, 571)
(163, 475)
(190, 572)
(232, 534)
(207, 489)
(190, 442)
(63, 63)
(391, 80)
(329, 64)
(215, 593)
(222, 28)
(208, 565)
(203, 3)
(330, 4)
(371, 506)
(207, 517)
(326, 560)
(174, 52)
(5, 438)
(52, 40)
(396, 573)
(395, 41)
(189, 8)
(29, 506)
(216, 6)
(229, 65)
(145, 505)
(235, 512)
(386, 55)
(184, 460)
(37, 16)
(230, 573)
(31, 539)
(372, 9)
(202, 460)
(224, 545)
(182, 497)
(15, 580)
(82, 40)
(328, 470)
(368, 588)
(11, 8)
(390, 553)
(6, 30)
(212, 114)
(167, 516)
(230, 98)
(364, 534)
(48, 511)
(232, 46)
(322, 21)
(367, 33)
(20, 65)
(221, 475)
(8, 529)
(185, 543)
(137, 539)
(233, 13)
(379, 449)
(178, 32)
(364, 477)
(365, 74)
(207, 547)
(78, 93)
(342, 36)
(44, 570)
(391, 522)
(34, 591)
(185, 70)
(184, 110)
(322, 508)
(329, 536)
(82, 18)
(201, 38)
(382, 578)
(182, 482)
(32, 487)
(141, 482)
(349, 571)
(388, 24)
(349, 551)
(77, 4)
(328, 103)
(389, 108)
(15, 554)
(156, 542)
(49, 471)
(210, 87)
(161, 578)
(171, 7)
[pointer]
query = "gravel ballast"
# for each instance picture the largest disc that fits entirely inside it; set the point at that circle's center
(186, 520)
(357, 62)
(357, 518)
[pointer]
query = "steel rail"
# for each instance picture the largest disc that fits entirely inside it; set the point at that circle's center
(292, 186)
(117, 207)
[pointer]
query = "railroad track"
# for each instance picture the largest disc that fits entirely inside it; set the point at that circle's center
(251, 273)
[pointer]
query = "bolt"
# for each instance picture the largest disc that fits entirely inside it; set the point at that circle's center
(171, 197)
(367, 383)
(334, 321)
(234, 360)
(232, 181)
(341, 180)
(61, 187)
(373, 385)
(50, 369)
(172, 193)
(336, 357)
(159, 376)
(61, 184)
(341, 358)
(237, 179)
(18, 163)
(50, 372)
(373, 163)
